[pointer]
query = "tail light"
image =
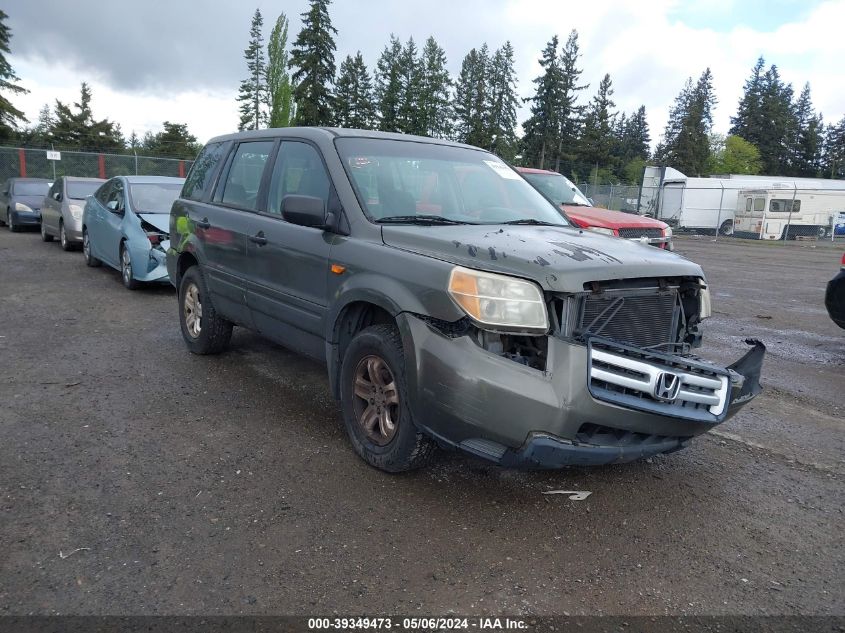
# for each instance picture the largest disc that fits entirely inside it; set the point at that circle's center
(843, 260)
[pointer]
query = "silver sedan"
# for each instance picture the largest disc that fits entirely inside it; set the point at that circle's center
(61, 212)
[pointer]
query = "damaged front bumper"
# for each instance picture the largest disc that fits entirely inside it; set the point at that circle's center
(595, 403)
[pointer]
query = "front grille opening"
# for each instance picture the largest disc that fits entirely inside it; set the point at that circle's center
(600, 435)
(633, 232)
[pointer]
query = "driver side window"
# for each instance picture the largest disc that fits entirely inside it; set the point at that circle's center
(115, 200)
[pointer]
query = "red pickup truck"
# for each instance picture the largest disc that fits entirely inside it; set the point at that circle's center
(577, 207)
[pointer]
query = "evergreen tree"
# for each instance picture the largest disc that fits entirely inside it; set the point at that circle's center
(571, 115)
(686, 142)
(312, 56)
(279, 89)
(434, 103)
(133, 143)
(748, 122)
(410, 82)
(39, 135)
(354, 95)
(833, 157)
(253, 91)
(80, 130)
(807, 144)
(504, 102)
(471, 116)
(542, 129)
(173, 141)
(597, 144)
(388, 86)
(10, 116)
(766, 118)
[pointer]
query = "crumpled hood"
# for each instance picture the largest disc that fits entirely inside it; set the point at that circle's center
(159, 220)
(559, 259)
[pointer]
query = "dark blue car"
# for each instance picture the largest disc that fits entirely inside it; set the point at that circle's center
(20, 202)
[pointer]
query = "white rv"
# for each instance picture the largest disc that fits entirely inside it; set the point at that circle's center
(708, 204)
(787, 213)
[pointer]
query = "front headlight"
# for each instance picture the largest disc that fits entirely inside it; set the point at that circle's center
(704, 307)
(20, 206)
(75, 211)
(598, 229)
(499, 302)
(667, 232)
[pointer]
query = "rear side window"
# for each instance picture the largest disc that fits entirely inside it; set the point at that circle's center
(298, 171)
(244, 177)
(199, 179)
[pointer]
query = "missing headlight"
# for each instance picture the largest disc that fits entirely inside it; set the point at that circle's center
(531, 351)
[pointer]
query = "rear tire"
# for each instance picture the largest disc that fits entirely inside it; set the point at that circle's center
(45, 237)
(203, 329)
(126, 274)
(90, 260)
(727, 228)
(376, 410)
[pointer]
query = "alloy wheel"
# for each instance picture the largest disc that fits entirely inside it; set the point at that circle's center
(62, 235)
(376, 402)
(192, 309)
(86, 246)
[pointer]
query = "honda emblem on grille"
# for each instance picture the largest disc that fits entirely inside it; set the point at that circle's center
(667, 386)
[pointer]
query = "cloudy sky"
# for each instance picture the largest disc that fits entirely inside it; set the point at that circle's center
(154, 60)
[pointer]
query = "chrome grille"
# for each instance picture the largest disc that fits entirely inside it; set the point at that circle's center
(634, 232)
(643, 320)
(632, 378)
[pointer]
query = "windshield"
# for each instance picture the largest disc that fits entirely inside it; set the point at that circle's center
(407, 181)
(558, 189)
(81, 189)
(154, 197)
(31, 188)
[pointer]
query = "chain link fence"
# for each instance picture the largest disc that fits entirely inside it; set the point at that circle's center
(36, 163)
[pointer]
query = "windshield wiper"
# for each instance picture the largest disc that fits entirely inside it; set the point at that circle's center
(418, 219)
(531, 221)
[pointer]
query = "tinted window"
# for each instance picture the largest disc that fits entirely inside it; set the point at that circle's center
(103, 192)
(244, 177)
(298, 171)
(199, 178)
(153, 197)
(778, 205)
(81, 189)
(23, 188)
(56, 188)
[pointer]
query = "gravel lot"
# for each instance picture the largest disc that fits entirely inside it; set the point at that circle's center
(139, 479)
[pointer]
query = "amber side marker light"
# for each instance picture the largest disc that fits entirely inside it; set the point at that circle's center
(337, 269)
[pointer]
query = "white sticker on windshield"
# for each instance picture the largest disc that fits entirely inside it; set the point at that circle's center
(503, 170)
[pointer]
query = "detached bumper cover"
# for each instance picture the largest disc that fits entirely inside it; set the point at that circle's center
(471, 399)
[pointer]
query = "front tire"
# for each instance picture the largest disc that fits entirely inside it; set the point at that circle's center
(14, 228)
(126, 274)
(374, 402)
(63, 240)
(203, 329)
(90, 260)
(45, 236)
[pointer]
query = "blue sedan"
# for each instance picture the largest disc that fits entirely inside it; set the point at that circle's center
(126, 225)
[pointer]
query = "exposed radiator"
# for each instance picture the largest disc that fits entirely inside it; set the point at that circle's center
(642, 320)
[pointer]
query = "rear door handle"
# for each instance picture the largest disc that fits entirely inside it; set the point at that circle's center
(203, 224)
(258, 238)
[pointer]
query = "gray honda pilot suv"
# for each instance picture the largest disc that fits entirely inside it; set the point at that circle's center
(452, 303)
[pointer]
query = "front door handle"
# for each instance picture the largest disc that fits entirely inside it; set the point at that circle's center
(258, 238)
(203, 224)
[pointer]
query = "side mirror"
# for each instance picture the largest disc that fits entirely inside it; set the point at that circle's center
(112, 206)
(57, 196)
(305, 211)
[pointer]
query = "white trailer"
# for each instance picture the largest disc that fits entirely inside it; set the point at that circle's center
(708, 204)
(787, 213)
